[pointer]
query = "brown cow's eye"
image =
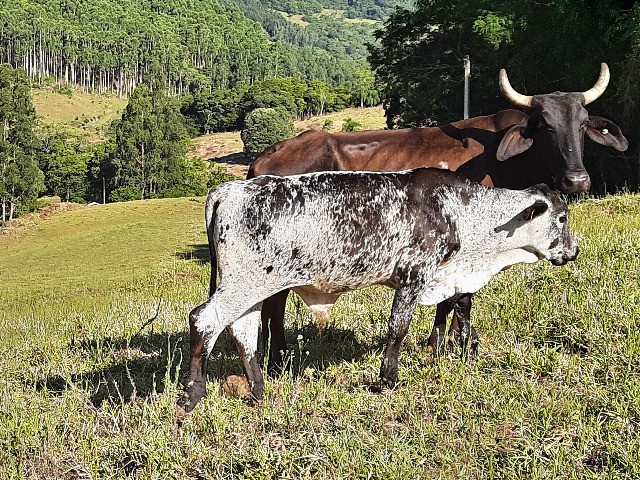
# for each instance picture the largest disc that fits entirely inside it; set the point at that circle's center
(563, 219)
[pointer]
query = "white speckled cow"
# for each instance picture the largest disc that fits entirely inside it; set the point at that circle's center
(429, 234)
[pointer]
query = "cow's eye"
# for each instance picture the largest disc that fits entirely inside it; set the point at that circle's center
(563, 219)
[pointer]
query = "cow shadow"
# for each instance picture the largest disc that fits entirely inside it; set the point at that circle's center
(143, 366)
(198, 253)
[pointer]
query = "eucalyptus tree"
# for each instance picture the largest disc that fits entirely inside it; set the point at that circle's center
(21, 180)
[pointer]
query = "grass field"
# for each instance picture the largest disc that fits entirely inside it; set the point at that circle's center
(88, 381)
(86, 114)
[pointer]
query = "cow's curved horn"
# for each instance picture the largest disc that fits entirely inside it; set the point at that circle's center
(513, 96)
(601, 85)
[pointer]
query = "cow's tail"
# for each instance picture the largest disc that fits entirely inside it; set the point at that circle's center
(213, 201)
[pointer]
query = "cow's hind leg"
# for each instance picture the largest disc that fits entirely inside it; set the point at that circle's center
(461, 326)
(437, 339)
(206, 322)
(244, 333)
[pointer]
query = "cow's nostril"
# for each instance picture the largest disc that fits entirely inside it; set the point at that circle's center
(567, 182)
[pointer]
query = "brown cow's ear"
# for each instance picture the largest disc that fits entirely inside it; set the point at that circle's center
(535, 210)
(513, 143)
(605, 132)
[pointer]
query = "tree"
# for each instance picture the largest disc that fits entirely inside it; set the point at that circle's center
(264, 127)
(21, 180)
(151, 141)
(64, 158)
(545, 46)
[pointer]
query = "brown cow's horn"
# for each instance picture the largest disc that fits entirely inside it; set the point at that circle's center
(513, 96)
(601, 85)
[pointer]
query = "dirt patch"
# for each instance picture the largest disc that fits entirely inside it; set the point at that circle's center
(24, 222)
(236, 163)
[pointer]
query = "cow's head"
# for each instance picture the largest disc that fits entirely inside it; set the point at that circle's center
(544, 227)
(556, 128)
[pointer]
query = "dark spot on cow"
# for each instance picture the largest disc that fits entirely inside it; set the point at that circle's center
(294, 253)
(226, 227)
(261, 181)
(465, 197)
(264, 230)
(554, 244)
(269, 269)
(454, 246)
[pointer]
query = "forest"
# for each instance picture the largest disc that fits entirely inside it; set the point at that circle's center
(108, 46)
(191, 68)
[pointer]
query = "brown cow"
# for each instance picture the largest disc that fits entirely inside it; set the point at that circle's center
(510, 149)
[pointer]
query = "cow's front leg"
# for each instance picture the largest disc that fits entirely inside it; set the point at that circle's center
(461, 326)
(437, 339)
(404, 304)
(273, 310)
(244, 333)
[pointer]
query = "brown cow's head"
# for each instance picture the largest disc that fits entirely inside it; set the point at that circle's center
(555, 130)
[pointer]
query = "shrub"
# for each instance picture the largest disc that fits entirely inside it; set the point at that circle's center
(219, 175)
(125, 194)
(350, 125)
(264, 127)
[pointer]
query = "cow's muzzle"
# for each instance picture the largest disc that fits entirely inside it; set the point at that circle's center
(574, 182)
(566, 257)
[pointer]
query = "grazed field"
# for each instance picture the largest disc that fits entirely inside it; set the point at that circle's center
(82, 112)
(88, 383)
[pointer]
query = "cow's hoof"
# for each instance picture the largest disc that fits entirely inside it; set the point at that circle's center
(191, 396)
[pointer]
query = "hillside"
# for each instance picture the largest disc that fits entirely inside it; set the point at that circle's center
(108, 47)
(87, 114)
(90, 115)
(93, 349)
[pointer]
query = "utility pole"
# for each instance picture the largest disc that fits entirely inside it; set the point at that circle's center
(104, 192)
(467, 75)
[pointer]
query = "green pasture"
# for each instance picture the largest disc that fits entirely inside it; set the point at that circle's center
(93, 353)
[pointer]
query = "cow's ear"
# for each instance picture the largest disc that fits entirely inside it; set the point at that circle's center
(513, 143)
(535, 210)
(605, 132)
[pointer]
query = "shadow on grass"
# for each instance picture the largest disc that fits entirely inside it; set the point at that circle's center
(233, 159)
(140, 367)
(198, 253)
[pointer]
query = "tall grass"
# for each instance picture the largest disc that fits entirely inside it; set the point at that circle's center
(93, 352)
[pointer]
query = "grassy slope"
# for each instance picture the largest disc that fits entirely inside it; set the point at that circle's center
(84, 113)
(555, 392)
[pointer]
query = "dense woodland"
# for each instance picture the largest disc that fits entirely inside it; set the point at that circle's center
(198, 67)
(108, 46)
(556, 45)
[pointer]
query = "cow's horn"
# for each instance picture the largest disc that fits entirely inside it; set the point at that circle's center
(513, 96)
(601, 85)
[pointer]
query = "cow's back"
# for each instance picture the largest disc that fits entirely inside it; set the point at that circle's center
(447, 147)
